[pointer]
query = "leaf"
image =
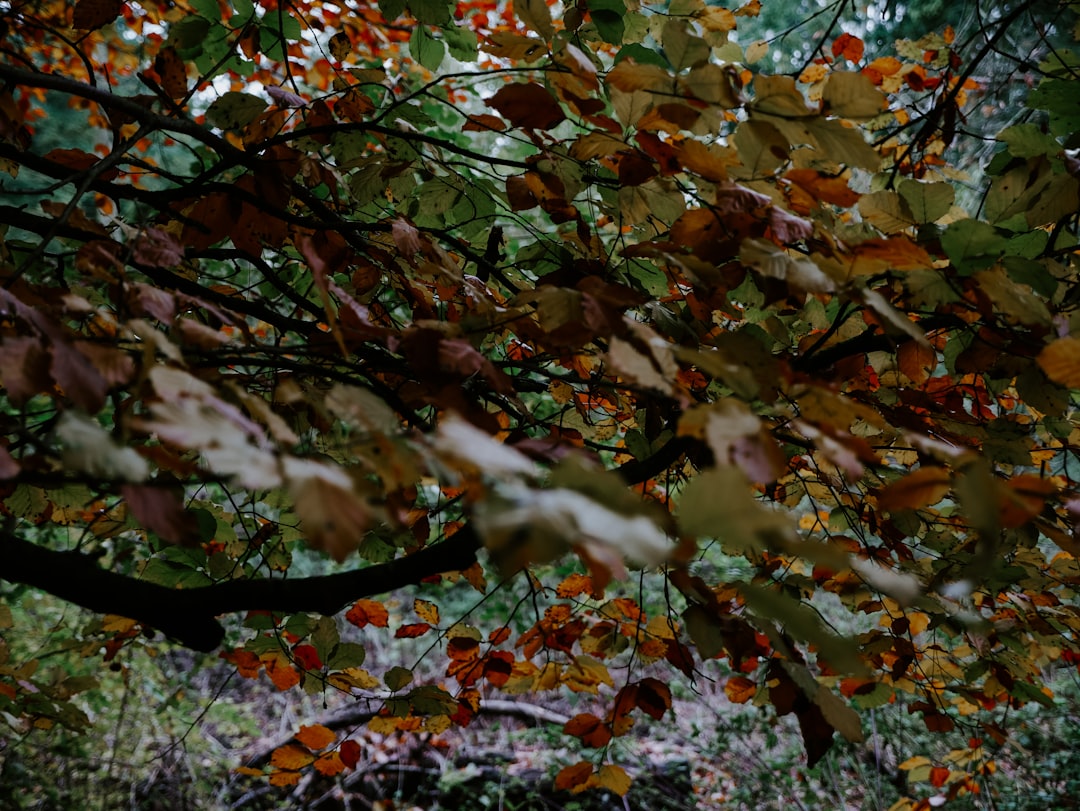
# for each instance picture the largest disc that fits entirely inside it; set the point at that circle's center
(613, 778)
(740, 689)
(574, 777)
(848, 46)
(425, 49)
(93, 14)
(291, 756)
(972, 245)
(427, 611)
(457, 440)
(315, 737)
(397, 677)
(921, 488)
(340, 46)
(368, 612)
(334, 518)
(89, 448)
(536, 16)
(349, 752)
(653, 698)
(1060, 360)
(852, 95)
(590, 729)
(412, 631)
(927, 202)
(528, 106)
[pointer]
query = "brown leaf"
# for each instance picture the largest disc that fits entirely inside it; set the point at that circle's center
(334, 518)
(528, 105)
(590, 729)
(406, 237)
(78, 377)
(23, 368)
(9, 468)
(161, 510)
(573, 778)
(157, 248)
(484, 123)
(173, 72)
(653, 697)
(92, 14)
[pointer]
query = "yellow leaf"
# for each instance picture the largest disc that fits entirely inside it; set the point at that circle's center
(428, 612)
(613, 778)
(315, 737)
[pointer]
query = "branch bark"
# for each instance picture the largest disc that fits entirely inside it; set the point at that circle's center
(190, 615)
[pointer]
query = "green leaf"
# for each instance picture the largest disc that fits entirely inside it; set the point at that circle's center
(208, 9)
(245, 9)
(607, 16)
(1028, 141)
(325, 637)
(462, 42)
(431, 12)
(391, 9)
(397, 677)
(972, 245)
(346, 655)
(234, 110)
(704, 631)
(425, 49)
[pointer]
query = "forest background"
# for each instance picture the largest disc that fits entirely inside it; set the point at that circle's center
(700, 379)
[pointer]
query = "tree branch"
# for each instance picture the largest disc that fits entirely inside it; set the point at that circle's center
(189, 615)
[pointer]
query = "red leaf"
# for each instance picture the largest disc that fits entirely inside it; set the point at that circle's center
(350, 753)
(938, 776)
(528, 106)
(412, 631)
(307, 657)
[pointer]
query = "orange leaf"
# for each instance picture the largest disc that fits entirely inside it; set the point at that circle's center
(428, 612)
(926, 486)
(740, 689)
(1060, 360)
(315, 736)
(282, 674)
(885, 65)
(573, 778)
(574, 585)
(851, 48)
(938, 776)
(368, 612)
(291, 756)
(285, 778)
(917, 361)
(833, 190)
(329, 764)
(590, 729)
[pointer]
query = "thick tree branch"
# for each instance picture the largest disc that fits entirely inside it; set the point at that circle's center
(189, 615)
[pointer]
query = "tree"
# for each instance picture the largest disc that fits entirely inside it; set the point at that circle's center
(453, 291)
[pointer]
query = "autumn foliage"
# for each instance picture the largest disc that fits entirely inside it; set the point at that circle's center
(455, 291)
